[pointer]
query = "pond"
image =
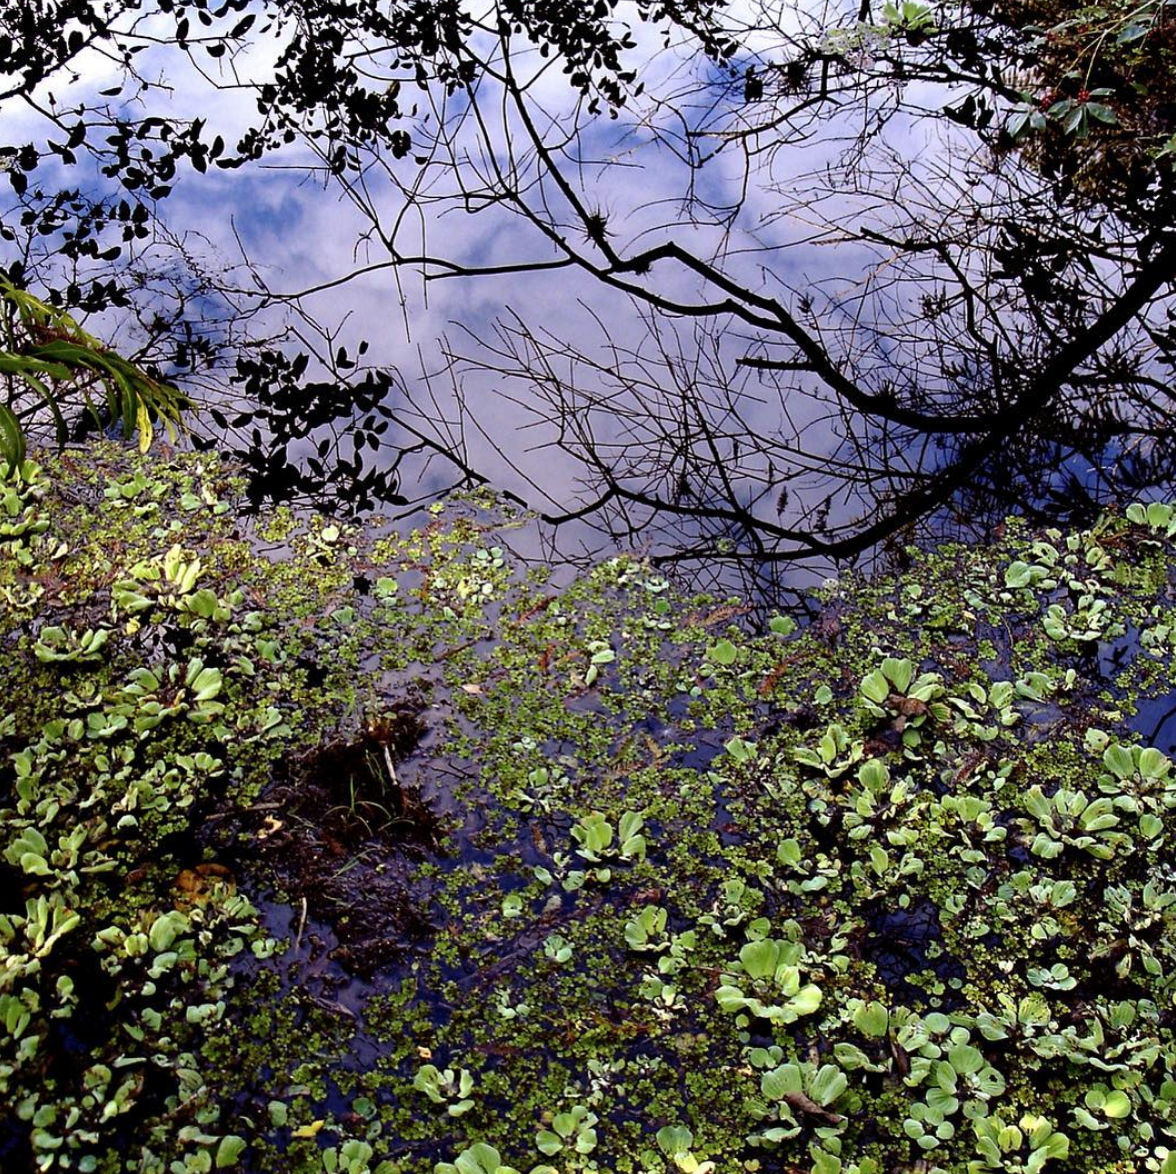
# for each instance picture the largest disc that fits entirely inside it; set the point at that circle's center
(476, 747)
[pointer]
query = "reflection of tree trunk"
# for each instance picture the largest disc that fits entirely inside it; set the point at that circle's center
(776, 542)
(1021, 377)
(1152, 278)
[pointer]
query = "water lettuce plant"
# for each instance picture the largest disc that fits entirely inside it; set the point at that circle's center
(451, 1088)
(766, 981)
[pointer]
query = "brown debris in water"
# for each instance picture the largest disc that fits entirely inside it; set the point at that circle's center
(346, 831)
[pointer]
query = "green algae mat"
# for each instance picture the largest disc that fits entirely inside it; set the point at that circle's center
(327, 848)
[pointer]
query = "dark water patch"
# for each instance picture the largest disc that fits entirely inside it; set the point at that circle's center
(678, 706)
(16, 1151)
(74, 1042)
(502, 958)
(725, 824)
(1016, 842)
(1041, 721)
(534, 846)
(1113, 657)
(316, 673)
(899, 943)
(8, 747)
(1155, 722)
(13, 884)
(700, 754)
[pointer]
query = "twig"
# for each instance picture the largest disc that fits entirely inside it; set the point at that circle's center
(301, 927)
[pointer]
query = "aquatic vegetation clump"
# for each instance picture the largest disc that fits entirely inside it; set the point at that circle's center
(329, 847)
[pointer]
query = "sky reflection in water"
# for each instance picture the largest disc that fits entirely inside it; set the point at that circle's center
(455, 340)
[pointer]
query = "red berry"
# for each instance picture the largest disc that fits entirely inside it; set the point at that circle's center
(1083, 95)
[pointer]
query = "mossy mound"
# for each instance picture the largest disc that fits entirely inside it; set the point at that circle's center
(326, 848)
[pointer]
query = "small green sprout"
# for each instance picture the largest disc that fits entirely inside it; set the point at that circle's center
(722, 654)
(557, 948)
(479, 1158)
(795, 1095)
(56, 644)
(1068, 819)
(645, 932)
(835, 755)
(675, 1141)
(1156, 516)
(1024, 1148)
(451, 1088)
(1102, 1107)
(596, 835)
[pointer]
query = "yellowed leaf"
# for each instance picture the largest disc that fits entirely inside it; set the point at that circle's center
(146, 431)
